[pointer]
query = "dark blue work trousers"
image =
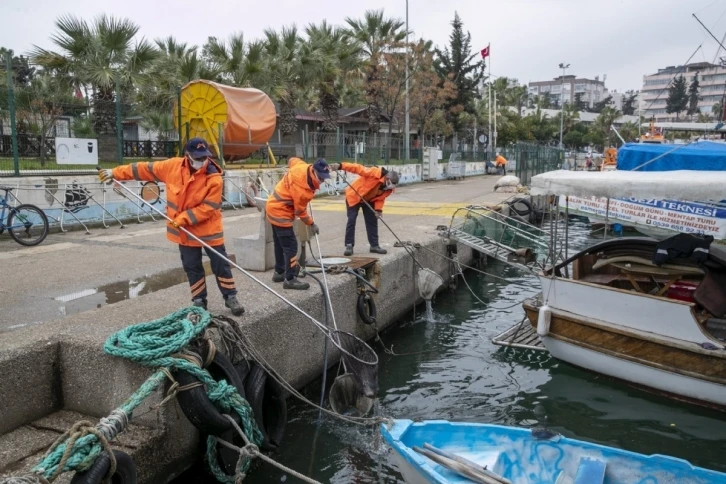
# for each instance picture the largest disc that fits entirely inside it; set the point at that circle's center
(285, 251)
(369, 215)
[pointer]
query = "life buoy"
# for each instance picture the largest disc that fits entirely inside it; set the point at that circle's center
(125, 470)
(267, 399)
(195, 403)
(367, 308)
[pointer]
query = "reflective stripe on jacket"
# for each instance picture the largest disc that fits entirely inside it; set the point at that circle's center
(292, 194)
(368, 184)
(193, 200)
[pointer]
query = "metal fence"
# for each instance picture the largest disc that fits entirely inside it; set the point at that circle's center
(533, 159)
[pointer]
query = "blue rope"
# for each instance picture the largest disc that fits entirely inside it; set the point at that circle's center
(153, 344)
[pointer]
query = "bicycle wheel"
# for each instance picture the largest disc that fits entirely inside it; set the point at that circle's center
(27, 225)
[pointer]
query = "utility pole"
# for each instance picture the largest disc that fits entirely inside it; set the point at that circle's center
(489, 139)
(408, 125)
(562, 103)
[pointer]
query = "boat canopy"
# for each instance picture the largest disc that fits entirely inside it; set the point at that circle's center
(683, 185)
(700, 155)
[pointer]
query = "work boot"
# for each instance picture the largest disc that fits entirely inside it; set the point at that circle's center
(294, 283)
(233, 304)
(348, 250)
(277, 277)
(378, 250)
(200, 303)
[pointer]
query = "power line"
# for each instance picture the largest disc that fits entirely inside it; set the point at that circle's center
(678, 71)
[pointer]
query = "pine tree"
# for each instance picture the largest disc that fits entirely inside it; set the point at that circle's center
(693, 96)
(677, 97)
(456, 62)
(629, 103)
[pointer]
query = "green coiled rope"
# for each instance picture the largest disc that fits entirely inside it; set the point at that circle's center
(154, 344)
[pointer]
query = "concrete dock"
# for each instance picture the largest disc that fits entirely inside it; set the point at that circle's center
(60, 301)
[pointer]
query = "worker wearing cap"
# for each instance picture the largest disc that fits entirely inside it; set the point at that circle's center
(501, 163)
(369, 192)
(193, 201)
(288, 200)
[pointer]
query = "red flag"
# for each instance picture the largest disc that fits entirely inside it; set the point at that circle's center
(485, 52)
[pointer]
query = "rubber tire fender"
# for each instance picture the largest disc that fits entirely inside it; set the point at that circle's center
(267, 399)
(523, 201)
(243, 370)
(367, 308)
(195, 403)
(125, 470)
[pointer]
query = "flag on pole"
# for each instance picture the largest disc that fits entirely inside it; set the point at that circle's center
(485, 52)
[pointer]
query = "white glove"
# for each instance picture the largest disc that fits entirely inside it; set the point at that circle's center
(105, 175)
(334, 166)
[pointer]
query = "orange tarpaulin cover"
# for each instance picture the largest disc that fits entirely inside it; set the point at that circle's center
(246, 116)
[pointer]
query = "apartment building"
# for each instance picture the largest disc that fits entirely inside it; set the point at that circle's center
(563, 89)
(712, 80)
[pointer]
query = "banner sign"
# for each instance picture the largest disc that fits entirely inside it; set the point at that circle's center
(686, 217)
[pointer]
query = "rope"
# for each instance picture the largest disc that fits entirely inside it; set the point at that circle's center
(250, 451)
(157, 344)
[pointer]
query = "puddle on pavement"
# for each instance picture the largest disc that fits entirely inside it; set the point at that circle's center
(114, 292)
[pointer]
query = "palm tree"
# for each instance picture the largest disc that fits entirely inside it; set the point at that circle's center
(96, 56)
(374, 33)
(336, 61)
(605, 120)
(239, 63)
(290, 68)
(518, 96)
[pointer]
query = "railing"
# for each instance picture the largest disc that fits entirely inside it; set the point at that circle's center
(150, 149)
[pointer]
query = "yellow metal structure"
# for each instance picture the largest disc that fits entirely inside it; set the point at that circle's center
(203, 112)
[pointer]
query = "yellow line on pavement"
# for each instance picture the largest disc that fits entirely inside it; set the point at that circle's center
(397, 208)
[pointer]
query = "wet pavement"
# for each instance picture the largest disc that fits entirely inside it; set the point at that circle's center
(72, 272)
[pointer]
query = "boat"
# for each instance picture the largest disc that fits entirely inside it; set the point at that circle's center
(657, 217)
(654, 135)
(524, 456)
(659, 327)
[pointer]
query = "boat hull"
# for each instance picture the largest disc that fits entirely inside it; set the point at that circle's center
(635, 357)
(525, 456)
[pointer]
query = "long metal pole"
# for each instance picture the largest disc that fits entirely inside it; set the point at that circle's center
(494, 144)
(489, 139)
(408, 122)
(119, 132)
(11, 108)
(562, 105)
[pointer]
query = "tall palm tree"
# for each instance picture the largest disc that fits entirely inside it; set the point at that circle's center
(290, 69)
(374, 33)
(604, 122)
(239, 63)
(94, 55)
(336, 60)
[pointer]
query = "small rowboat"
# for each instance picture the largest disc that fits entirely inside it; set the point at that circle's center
(442, 452)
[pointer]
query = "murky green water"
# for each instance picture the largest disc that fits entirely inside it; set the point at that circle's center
(463, 376)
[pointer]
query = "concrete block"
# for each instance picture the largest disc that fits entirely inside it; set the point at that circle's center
(31, 384)
(256, 252)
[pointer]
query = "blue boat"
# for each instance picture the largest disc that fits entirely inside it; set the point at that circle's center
(526, 456)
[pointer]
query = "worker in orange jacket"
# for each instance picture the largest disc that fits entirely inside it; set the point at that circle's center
(193, 201)
(501, 163)
(369, 192)
(288, 200)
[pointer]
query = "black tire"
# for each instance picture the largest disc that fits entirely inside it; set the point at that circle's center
(521, 201)
(195, 403)
(267, 399)
(17, 233)
(367, 308)
(243, 369)
(125, 470)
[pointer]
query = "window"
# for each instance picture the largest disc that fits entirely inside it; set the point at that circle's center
(579, 87)
(556, 89)
(544, 89)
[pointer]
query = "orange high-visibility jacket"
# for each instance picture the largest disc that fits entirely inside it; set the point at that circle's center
(193, 200)
(500, 160)
(368, 185)
(292, 194)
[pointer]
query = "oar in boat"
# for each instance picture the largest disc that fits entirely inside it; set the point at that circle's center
(473, 474)
(464, 460)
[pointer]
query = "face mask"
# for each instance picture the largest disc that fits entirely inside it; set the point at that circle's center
(390, 185)
(197, 164)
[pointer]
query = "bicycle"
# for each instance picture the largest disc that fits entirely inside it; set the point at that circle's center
(26, 224)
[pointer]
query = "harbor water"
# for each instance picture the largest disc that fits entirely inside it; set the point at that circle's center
(446, 367)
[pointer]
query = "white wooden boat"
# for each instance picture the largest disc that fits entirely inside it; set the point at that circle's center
(658, 327)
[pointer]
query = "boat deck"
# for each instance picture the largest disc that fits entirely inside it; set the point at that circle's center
(521, 335)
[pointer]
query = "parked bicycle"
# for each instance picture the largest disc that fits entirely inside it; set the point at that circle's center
(26, 224)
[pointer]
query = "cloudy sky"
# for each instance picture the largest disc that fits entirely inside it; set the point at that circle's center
(623, 39)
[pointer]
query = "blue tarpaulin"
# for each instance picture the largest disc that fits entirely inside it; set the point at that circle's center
(701, 156)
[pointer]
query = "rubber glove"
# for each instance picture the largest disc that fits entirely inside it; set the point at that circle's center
(379, 214)
(177, 222)
(314, 229)
(105, 175)
(334, 166)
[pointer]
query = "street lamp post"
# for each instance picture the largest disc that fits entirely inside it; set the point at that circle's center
(408, 126)
(562, 103)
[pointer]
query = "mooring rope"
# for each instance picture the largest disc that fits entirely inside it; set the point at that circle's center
(157, 344)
